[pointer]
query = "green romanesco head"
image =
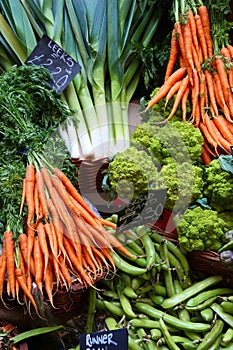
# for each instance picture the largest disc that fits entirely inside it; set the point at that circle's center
(131, 172)
(184, 184)
(200, 229)
(219, 187)
(176, 141)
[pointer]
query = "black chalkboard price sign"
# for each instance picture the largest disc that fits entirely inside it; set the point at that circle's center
(61, 66)
(105, 340)
(145, 209)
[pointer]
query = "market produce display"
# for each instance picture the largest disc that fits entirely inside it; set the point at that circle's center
(49, 234)
(203, 54)
(159, 301)
(51, 239)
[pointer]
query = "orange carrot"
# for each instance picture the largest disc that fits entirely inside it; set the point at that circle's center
(220, 97)
(64, 272)
(193, 29)
(195, 96)
(73, 258)
(187, 37)
(205, 156)
(43, 244)
(42, 195)
(225, 128)
(183, 42)
(23, 197)
(216, 134)
(30, 232)
(174, 50)
(172, 91)
(211, 91)
(39, 264)
(219, 64)
(8, 245)
(177, 75)
(184, 103)
(178, 98)
(48, 283)
(29, 192)
(57, 224)
(207, 136)
(201, 36)
(204, 15)
(202, 98)
(23, 285)
(3, 269)
(73, 191)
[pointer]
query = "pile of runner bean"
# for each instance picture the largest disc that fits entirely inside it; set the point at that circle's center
(160, 303)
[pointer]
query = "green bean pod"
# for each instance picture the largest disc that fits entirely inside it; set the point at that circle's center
(167, 336)
(130, 292)
(125, 305)
(168, 280)
(113, 308)
(203, 305)
(227, 306)
(201, 297)
(127, 267)
(224, 315)
(150, 250)
(191, 291)
(171, 320)
(207, 314)
(212, 335)
(227, 337)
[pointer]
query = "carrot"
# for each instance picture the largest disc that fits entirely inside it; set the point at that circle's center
(195, 96)
(73, 191)
(193, 29)
(174, 50)
(86, 280)
(216, 134)
(107, 223)
(48, 283)
(187, 37)
(57, 226)
(220, 97)
(3, 270)
(230, 49)
(64, 272)
(207, 136)
(23, 196)
(172, 91)
(42, 194)
(29, 192)
(178, 98)
(30, 232)
(39, 264)
(8, 244)
(43, 244)
(91, 263)
(22, 282)
(177, 75)
(184, 103)
(205, 156)
(201, 36)
(219, 64)
(211, 91)
(196, 61)
(204, 15)
(184, 40)
(225, 128)
(202, 98)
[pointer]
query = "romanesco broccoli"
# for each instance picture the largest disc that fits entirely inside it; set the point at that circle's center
(176, 141)
(200, 229)
(219, 186)
(132, 172)
(184, 184)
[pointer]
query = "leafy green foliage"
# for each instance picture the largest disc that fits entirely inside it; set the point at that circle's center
(200, 229)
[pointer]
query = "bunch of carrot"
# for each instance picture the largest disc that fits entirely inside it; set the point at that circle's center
(200, 72)
(63, 241)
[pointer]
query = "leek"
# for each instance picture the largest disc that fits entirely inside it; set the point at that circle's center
(100, 35)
